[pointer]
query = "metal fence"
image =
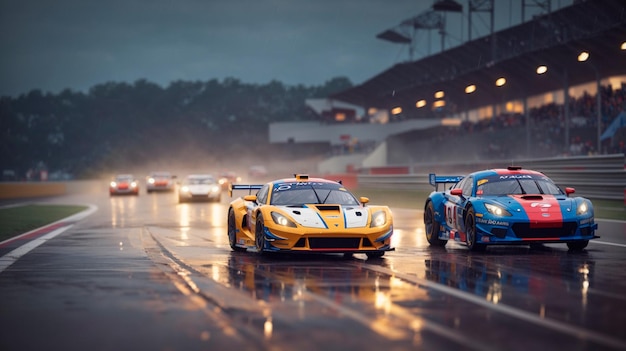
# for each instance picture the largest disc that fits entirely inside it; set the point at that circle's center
(596, 177)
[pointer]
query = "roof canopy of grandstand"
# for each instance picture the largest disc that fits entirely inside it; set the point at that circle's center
(554, 40)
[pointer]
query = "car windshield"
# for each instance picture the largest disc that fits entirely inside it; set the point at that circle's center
(286, 194)
(161, 175)
(195, 181)
(517, 186)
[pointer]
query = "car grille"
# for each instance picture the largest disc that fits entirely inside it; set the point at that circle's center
(523, 230)
(499, 232)
(334, 243)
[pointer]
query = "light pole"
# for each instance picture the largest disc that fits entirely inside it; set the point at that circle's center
(542, 69)
(468, 90)
(583, 57)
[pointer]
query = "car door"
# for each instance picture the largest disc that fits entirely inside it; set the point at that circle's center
(456, 199)
(251, 206)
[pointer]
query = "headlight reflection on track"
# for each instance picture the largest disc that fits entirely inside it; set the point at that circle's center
(184, 220)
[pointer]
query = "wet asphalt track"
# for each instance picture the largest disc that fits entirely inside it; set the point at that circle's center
(147, 273)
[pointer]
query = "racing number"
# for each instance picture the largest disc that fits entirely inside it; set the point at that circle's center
(451, 217)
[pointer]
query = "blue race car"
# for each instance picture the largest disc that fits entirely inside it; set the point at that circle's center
(506, 206)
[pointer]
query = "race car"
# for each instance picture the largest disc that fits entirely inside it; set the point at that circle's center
(124, 184)
(506, 206)
(199, 187)
(226, 178)
(160, 181)
(303, 214)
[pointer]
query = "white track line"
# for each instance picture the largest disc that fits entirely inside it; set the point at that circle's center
(11, 257)
(606, 243)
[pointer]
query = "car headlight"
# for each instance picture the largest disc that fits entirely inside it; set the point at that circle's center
(184, 189)
(215, 189)
(282, 220)
(497, 210)
(133, 184)
(151, 180)
(583, 208)
(113, 184)
(378, 219)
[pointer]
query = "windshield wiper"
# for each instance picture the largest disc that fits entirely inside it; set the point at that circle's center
(316, 195)
(521, 187)
(326, 198)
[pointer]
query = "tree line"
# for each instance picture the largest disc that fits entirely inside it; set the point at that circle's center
(116, 124)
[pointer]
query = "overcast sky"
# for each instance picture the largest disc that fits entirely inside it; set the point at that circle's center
(56, 44)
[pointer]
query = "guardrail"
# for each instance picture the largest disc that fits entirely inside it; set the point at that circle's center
(596, 177)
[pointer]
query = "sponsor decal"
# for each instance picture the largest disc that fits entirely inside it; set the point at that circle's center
(540, 204)
(481, 181)
(289, 186)
(492, 222)
(516, 176)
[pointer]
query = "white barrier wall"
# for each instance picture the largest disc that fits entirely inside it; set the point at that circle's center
(335, 134)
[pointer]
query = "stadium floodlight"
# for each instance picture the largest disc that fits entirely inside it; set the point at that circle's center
(439, 94)
(439, 103)
(420, 103)
(623, 46)
(470, 88)
(500, 81)
(447, 6)
(542, 69)
(583, 56)
(396, 110)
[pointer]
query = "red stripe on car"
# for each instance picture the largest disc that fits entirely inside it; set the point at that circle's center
(543, 211)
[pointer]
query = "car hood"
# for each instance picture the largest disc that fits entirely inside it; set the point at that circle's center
(539, 207)
(328, 216)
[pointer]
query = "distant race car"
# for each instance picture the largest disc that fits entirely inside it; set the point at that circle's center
(199, 187)
(227, 178)
(160, 181)
(303, 214)
(506, 206)
(124, 184)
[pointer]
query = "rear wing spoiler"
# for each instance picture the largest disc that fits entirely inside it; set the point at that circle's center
(248, 187)
(435, 180)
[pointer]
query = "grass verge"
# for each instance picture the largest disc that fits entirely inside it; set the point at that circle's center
(412, 199)
(21, 219)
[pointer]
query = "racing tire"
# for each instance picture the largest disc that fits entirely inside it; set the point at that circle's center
(259, 235)
(375, 254)
(432, 226)
(232, 231)
(470, 232)
(577, 245)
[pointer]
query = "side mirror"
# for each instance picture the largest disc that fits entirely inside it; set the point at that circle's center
(364, 200)
(456, 192)
(250, 198)
(570, 191)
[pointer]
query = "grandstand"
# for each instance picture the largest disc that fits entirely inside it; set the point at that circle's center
(546, 87)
